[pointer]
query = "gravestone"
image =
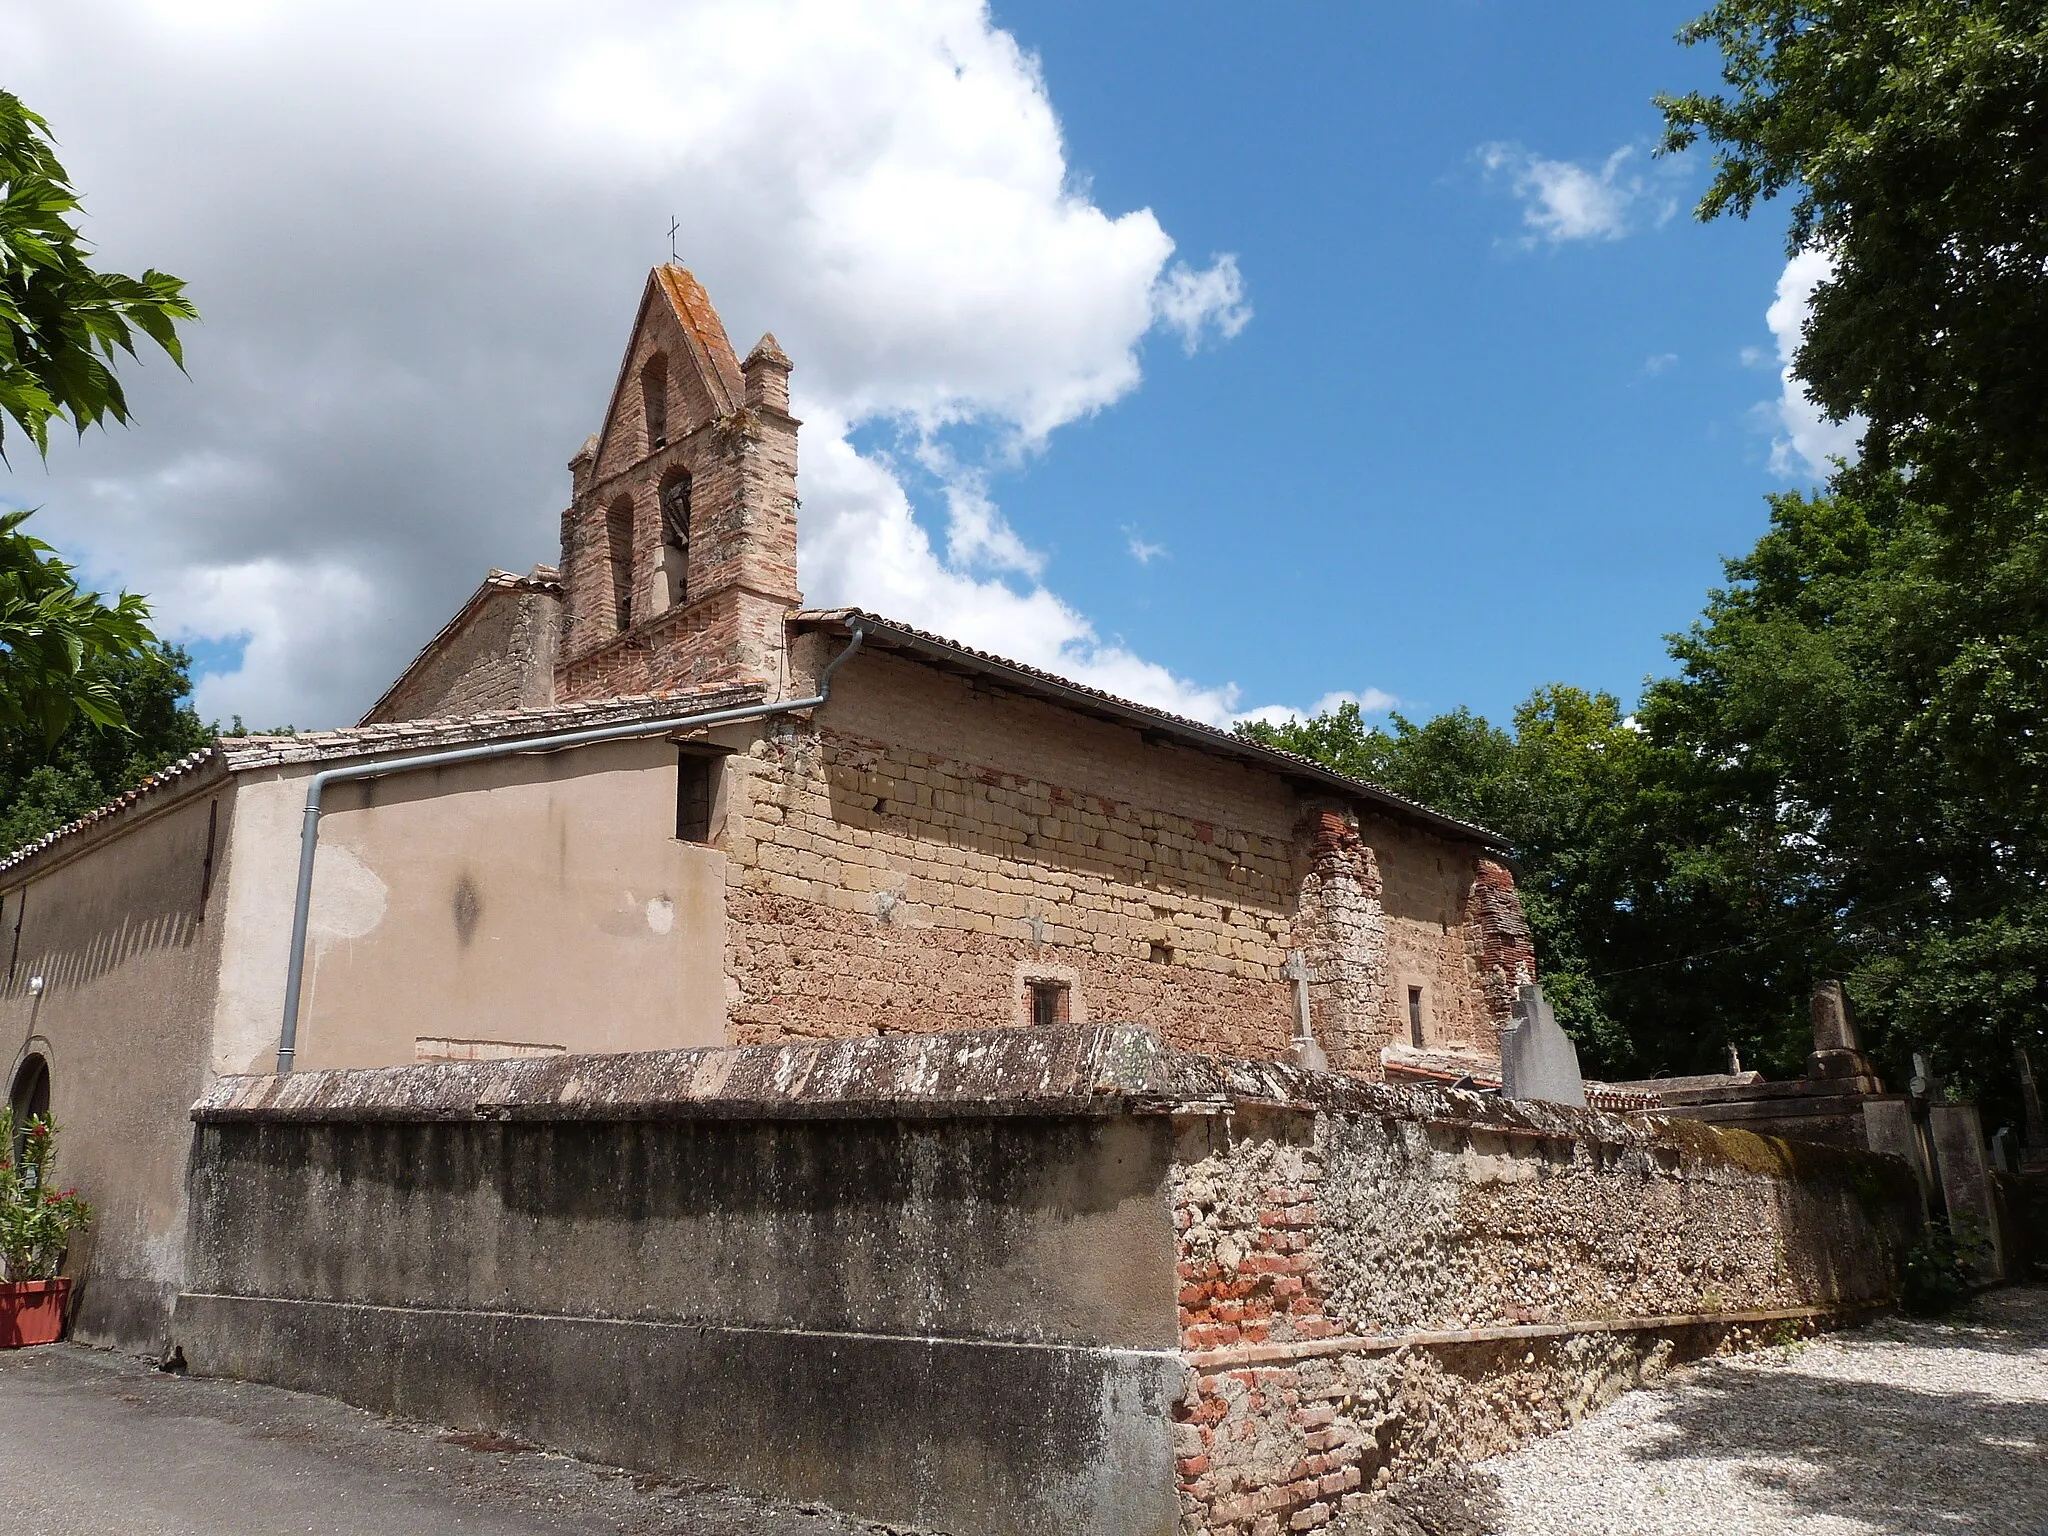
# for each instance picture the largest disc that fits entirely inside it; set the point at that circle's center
(1837, 1055)
(1537, 1058)
(1958, 1136)
(2034, 1156)
(1888, 1127)
(2001, 1149)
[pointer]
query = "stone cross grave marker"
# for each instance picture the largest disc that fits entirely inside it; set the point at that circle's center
(1303, 1050)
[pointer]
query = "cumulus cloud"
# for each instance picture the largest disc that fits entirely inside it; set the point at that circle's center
(417, 233)
(1811, 441)
(1564, 201)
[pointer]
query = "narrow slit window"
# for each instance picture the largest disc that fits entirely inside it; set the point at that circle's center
(654, 401)
(1415, 1015)
(696, 789)
(1049, 1002)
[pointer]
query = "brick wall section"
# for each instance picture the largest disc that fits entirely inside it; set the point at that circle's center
(730, 430)
(499, 654)
(1342, 931)
(877, 885)
(932, 845)
(1329, 1230)
(1503, 952)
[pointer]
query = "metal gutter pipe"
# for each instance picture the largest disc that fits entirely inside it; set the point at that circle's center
(309, 835)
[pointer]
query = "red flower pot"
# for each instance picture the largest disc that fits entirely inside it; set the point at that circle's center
(32, 1311)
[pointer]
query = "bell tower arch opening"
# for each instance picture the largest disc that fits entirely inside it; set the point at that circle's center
(618, 539)
(675, 538)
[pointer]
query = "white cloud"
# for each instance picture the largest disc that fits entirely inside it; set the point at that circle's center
(1371, 702)
(1811, 442)
(1194, 303)
(1662, 362)
(1563, 201)
(1141, 550)
(417, 233)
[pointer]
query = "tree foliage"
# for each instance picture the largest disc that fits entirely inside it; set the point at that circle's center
(1845, 774)
(59, 646)
(62, 323)
(42, 789)
(1912, 136)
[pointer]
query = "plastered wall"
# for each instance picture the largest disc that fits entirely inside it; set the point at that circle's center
(125, 939)
(535, 900)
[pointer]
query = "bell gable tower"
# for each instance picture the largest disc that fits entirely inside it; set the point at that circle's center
(679, 543)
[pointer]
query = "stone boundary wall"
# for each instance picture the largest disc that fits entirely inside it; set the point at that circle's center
(1207, 1295)
(1367, 1289)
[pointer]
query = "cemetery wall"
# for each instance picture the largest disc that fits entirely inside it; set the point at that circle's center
(1208, 1296)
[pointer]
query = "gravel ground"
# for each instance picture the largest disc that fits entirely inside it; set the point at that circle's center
(1902, 1428)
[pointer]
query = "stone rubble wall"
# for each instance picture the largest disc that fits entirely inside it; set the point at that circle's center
(1364, 1293)
(1016, 1282)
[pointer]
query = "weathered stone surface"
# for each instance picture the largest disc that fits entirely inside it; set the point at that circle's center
(1537, 1058)
(1958, 1135)
(1046, 1280)
(1888, 1128)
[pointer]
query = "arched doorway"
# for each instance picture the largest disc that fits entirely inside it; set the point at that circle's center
(29, 1095)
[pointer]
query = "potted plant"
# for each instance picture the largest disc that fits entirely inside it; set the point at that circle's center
(36, 1220)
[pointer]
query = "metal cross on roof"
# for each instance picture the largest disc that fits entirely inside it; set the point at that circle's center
(674, 227)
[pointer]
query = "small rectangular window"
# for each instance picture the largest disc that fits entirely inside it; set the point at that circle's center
(1049, 1002)
(1161, 954)
(1415, 1015)
(696, 788)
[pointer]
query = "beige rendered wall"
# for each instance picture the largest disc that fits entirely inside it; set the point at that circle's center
(938, 844)
(533, 900)
(126, 949)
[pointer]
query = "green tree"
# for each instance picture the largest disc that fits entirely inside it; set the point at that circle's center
(59, 646)
(1846, 774)
(42, 789)
(61, 322)
(1912, 136)
(1865, 715)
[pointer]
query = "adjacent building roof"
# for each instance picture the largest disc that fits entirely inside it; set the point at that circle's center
(951, 655)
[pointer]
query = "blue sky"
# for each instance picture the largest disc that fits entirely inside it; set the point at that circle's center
(1439, 461)
(1473, 404)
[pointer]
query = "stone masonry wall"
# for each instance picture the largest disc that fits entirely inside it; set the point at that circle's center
(1045, 1282)
(934, 847)
(1365, 1293)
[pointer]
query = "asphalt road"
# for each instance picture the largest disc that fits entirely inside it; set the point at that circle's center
(94, 1444)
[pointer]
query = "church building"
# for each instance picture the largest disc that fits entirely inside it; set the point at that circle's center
(645, 798)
